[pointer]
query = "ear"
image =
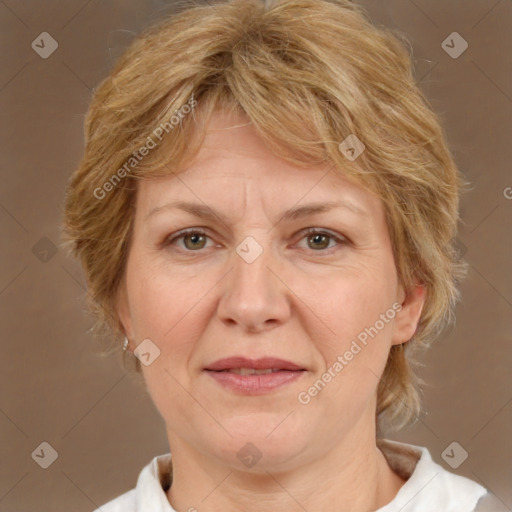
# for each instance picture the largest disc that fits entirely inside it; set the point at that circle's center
(123, 310)
(408, 316)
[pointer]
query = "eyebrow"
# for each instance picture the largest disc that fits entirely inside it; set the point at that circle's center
(206, 212)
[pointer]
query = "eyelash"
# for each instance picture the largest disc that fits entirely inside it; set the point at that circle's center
(340, 240)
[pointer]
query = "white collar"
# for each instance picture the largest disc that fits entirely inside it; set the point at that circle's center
(430, 487)
(153, 479)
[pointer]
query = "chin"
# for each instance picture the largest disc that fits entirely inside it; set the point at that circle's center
(262, 442)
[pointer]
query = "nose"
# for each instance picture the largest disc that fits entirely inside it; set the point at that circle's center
(254, 294)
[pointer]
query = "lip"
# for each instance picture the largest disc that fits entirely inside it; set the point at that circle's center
(254, 384)
(263, 363)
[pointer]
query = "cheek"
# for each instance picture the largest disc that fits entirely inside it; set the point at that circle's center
(357, 338)
(353, 356)
(172, 309)
(349, 302)
(167, 308)
(162, 300)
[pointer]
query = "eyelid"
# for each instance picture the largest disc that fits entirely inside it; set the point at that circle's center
(323, 231)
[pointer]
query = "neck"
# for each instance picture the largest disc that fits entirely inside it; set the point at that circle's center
(353, 476)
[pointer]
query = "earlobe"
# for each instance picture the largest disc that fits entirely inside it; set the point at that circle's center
(407, 319)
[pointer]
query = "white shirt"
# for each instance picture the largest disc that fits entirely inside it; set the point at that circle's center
(429, 487)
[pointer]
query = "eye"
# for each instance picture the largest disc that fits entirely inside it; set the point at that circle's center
(193, 239)
(318, 239)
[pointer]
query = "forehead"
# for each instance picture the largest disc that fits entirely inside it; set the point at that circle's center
(234, 166)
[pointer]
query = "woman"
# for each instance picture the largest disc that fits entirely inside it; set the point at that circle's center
(265, 213)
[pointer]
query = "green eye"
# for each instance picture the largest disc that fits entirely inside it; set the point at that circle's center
(197, 240)
(319, 240)
(193, 240)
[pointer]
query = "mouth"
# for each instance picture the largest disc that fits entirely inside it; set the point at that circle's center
(243, 364)
(254, 376)
(252, 371)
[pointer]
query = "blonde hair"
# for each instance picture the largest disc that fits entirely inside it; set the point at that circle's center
(307, 73)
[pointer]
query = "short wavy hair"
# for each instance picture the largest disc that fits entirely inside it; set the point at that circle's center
(307, 74)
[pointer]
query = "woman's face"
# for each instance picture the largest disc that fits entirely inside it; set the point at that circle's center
(254, 284)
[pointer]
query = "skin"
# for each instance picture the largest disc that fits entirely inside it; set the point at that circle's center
(303, 299)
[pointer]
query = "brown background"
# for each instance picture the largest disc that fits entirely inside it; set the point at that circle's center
(101, 423)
